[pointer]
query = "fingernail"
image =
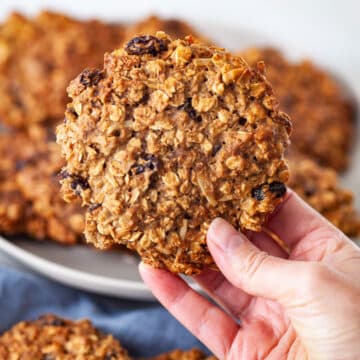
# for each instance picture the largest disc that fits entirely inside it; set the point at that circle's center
(224, 236)
(143, 267)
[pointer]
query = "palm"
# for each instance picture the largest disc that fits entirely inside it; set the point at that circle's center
(266, 333)
(266, 330)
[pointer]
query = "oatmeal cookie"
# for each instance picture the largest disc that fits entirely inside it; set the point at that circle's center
(16, 31)
(14, 208)
(54, 338)
(323, 116)
(320, 188)
(30, 202)
(175, 28)
(193, 354)
(168, 136)
(38, 58)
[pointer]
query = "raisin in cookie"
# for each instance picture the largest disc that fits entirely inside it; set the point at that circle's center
(38, 58)
(193, 354)
(168, 136)
(322, 114)
(320, 188)
(54, 338)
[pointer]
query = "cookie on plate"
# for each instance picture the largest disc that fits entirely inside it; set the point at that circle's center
(321, 110)
(30, 199)
(13, 207)
(320, 188)
(168, 136)
(38, 58)
(193, 354)
(16, 213)
(54, 338)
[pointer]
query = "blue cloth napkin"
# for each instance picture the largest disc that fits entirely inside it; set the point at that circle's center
(144, 328)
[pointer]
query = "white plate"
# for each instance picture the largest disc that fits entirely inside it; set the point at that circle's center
(111, 273)
(115, 273)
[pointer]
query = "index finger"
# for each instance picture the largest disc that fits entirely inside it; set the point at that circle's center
(205, 320)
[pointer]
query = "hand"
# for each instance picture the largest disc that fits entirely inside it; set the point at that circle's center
(301, 305)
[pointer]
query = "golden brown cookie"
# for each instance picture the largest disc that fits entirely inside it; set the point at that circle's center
(193, 354)
(320, 187)
(15, 32)
(30, 199)
(54, 338)
(14, 208)
(168, 136)
(321, 112)
(38, 58)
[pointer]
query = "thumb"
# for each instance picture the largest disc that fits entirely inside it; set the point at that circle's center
(249, 268)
